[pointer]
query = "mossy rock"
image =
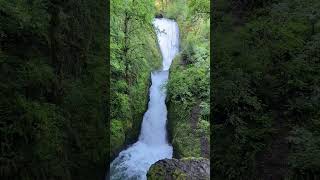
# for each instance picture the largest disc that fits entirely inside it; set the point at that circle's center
(187, 168)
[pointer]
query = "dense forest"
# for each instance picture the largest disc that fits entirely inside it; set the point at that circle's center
(53, 97)
(265, 89)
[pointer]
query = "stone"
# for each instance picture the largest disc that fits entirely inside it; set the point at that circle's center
(180, 169)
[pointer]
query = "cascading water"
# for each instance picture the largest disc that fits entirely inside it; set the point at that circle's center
(134, 162)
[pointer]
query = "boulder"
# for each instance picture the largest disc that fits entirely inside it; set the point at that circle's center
(186, 168)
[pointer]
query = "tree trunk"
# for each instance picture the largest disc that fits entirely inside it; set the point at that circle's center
(126, 47)
(54, 51)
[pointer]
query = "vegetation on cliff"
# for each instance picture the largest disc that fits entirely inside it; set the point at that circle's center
(188, 85)
(265, 89)
(134, 54)
(53, 82)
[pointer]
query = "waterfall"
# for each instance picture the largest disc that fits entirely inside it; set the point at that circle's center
(134, 162)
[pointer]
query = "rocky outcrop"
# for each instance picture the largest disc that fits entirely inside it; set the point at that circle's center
(187, 168)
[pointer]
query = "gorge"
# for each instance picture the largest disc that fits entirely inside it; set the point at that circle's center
(134, 162)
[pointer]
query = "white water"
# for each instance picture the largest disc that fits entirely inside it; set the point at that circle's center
(134, 162)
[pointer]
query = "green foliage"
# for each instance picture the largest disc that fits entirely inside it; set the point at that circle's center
(306, 152)
(134, 54)
(185, 140)
(188, 85)
(176, 9)
(265, 80)
(53, 76)
(117, 131)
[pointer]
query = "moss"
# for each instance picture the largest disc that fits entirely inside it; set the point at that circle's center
(187, 168)
(117, 137)
(185, 141)
(192, 158)
(179, 175)
(156, 172)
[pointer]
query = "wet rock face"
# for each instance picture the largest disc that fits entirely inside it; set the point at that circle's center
(159, 15)
(188, 169)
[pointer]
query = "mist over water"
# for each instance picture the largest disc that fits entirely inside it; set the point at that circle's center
(134, 162)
